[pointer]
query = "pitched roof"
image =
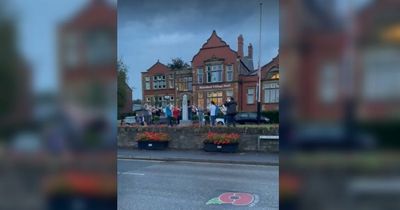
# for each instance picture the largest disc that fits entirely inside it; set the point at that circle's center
(214, 41)
(158, 63)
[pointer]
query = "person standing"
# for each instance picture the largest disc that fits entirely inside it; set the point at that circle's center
(213, 113)
(200, 113)
(176, 112)
(168, 113)
(223, 110)
(230, 111)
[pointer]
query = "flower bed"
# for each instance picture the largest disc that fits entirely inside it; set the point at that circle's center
(221, 142)
(152, 140)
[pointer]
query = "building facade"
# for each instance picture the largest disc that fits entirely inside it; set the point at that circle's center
(217, 72)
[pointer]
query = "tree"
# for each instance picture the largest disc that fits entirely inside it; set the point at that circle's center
(178, 64)
(121, 91)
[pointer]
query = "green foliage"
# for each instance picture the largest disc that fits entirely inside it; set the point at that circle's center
(121, 91)
(156, 119)
(385, 132)
(273, 116)
(195, 118)
(178, 64)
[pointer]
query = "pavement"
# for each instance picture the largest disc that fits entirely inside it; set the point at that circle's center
(150, 184)
(247, 158)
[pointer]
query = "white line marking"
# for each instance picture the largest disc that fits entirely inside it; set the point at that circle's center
(130, 173)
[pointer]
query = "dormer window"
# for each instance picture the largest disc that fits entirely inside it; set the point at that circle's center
(273, 74)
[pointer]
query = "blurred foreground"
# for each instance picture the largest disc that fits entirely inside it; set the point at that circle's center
(339, 104)
(58, 145)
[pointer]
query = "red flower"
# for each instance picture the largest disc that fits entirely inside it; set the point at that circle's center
(152, 136)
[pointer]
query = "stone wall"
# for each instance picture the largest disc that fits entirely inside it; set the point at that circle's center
(191, 138)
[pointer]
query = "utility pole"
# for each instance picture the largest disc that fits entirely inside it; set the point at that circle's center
(259, 72)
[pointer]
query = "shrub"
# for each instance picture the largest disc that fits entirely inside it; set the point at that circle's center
(207, 119)
(273, 116)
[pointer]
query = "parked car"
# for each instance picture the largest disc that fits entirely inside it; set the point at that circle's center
(249, 118)
(218, 121)
(130, 120)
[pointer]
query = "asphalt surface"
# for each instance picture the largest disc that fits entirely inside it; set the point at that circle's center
(144, 184)
(249, 158)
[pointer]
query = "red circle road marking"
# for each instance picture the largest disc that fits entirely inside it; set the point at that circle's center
(239, 199)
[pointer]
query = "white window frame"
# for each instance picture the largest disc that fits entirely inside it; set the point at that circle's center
(271, 92)
(250, 95)
(200, 76)
(211, 69)
(229, 72)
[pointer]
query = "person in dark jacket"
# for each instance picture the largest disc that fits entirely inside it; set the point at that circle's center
(230, 105)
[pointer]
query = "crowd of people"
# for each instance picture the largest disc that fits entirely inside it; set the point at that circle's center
(151, 114)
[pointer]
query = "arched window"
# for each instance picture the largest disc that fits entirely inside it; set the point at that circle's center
(273, 74)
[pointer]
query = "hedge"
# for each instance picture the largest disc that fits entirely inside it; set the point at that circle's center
(273, 116)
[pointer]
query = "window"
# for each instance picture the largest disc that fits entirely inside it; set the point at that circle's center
(171, 84)
(271, 92)
(147, 83)
(99, 49)
(171, 76)
(273, 74)
(250, 96)
(71, 46)
(328, 89)
(229, 93)
(200, 100)
(216, 97)
(172, 98)
(159, 82)
(190, 85)
(185, 83)
(214, 73)
(229, 73)
(148, 99)
(200, 76)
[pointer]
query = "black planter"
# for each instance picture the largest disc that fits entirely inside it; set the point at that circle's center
(153, 145)
(229, 148)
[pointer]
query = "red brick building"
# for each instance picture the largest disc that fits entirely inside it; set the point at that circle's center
(87, 54)
(158, 85)
(217, 72)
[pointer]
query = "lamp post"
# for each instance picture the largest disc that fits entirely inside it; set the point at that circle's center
(259, 72)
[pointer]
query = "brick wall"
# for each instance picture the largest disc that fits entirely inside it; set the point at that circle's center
(191, 138)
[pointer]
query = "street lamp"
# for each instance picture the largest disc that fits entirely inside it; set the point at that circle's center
(259, 73)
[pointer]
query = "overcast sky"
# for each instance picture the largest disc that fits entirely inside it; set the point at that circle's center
(157, 29)
(37, 23)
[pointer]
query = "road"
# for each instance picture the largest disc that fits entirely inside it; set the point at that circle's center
(183, 185)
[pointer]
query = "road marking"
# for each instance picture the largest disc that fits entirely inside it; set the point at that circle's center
(134, 160)
(130, 173)
(235, 198)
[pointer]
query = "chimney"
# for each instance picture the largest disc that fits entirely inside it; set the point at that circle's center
(240, 46)
(250, 51)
